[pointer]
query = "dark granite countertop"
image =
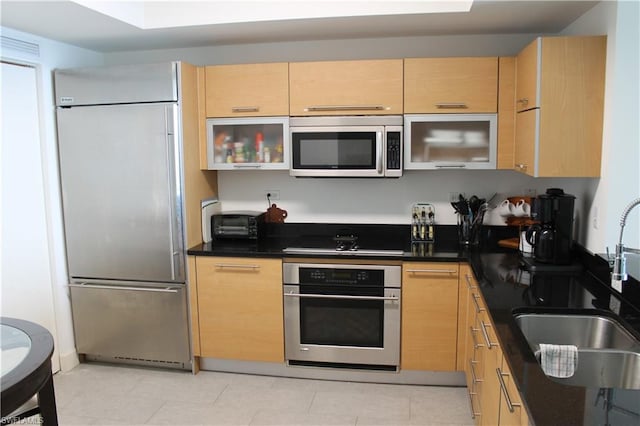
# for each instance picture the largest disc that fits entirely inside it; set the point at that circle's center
(383, 237)
(506, 288)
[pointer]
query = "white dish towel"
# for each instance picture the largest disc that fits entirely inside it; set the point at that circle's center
(558, 360)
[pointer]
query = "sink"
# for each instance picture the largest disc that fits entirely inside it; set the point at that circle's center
(608, 354)
(584, 331)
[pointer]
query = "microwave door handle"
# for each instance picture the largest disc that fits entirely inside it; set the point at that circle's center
(379, 152)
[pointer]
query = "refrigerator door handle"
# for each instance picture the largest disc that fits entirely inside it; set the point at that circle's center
(113, 287)
(173, 166)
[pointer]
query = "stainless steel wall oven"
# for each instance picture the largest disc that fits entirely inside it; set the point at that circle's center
(342, 315)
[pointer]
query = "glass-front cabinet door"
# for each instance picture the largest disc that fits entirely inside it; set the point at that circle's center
(450, 141)
(248, 143)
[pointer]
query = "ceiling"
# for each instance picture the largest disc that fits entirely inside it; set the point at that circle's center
(72, 23)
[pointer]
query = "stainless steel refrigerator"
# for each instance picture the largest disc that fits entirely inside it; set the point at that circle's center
(120, 167)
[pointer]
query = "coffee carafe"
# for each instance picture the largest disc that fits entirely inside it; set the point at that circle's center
(552, 237)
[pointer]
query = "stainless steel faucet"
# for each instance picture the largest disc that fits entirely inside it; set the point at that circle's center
(619, 273)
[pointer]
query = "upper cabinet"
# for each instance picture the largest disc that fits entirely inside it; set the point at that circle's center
(506, 112)
(450, 141)
(527, 77)
(368, 87)
(256, 90)
(451, 85)
(248, 143)
(560, 103)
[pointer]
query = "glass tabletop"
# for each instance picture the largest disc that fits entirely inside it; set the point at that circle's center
(15, 345)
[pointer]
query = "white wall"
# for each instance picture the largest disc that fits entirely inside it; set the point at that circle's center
(23, 230)
(375, 48)
(386, 200)
(620, 182)
(52, 55)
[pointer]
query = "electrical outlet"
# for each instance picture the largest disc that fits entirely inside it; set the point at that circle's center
(595, 217)
(273, 194)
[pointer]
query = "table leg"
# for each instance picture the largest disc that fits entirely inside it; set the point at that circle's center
(47, 403)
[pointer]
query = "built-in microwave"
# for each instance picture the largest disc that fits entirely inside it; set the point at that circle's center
(346, 146)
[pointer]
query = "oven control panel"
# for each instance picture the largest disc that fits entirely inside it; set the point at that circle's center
(341, 276)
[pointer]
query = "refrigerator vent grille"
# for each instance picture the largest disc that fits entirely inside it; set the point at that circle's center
(151, 361)
(20, 45)
(137, 361)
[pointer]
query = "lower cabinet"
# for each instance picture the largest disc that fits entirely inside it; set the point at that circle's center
(429, 316)
(240, 308)
(495, 400)
(467, 284)
(489, 395)
(512, 411)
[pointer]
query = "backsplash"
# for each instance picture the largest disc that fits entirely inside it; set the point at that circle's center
(389, 201)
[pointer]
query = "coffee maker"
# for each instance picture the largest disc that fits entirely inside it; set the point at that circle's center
(552, 236)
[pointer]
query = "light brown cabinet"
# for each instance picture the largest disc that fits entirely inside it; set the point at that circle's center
(560, 104)
(489, 395)
(524, 152)
(495, 400)
(240, 311)
(451, 85)
(506, 112)
(372, 87)
(474, 361)
(512, 411)
(527, 72)
(429, 316)
(255, 90)
(466, 285)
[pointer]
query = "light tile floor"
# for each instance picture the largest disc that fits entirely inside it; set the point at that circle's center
(96, 394)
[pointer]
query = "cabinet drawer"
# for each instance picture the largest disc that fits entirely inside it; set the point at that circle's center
(238, 271)
(422, 270)
(445, 85)
(240, 308)
(372, 87)
(256, 90)
(512, 411)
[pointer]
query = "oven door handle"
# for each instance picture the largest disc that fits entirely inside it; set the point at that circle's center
(330, 296)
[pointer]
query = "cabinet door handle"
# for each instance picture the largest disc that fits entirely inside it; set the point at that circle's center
(475, 302)
(432, 271)
(240, 109)
(485, 334)
(320, 108)
(469, 285)
(339, 297)
(505, 391)
(450, 166)
(474, 379)
(236, 266)
(476, 345)
(247, 166)
(451, 105)
(473, 413)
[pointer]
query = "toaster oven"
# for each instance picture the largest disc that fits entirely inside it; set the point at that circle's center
(241, 225)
